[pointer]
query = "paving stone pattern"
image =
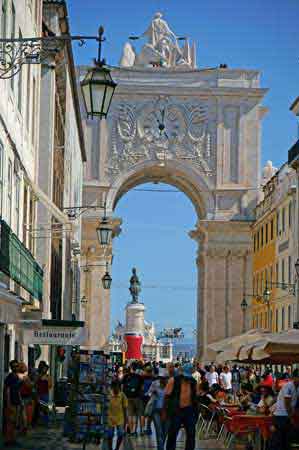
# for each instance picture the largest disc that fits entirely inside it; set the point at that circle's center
(52, 439)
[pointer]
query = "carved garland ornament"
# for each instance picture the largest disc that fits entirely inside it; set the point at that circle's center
(135, 135)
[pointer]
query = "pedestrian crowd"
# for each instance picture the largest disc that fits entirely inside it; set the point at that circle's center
(151, 396)
(169, 397)
(26, 396)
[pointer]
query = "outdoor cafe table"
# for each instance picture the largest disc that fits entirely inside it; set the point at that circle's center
(262, 424)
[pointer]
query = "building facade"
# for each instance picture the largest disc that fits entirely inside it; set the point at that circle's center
(274, 253)
(61, 161)
(209, 148)
(21, 277)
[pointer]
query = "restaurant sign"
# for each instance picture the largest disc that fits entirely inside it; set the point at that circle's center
(55, 336)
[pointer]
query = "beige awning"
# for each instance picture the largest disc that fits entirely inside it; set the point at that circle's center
(277, 347)
(234, 342)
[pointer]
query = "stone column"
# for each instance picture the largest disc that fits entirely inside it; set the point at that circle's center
(93, 267)
(221, 280)
(97, 312)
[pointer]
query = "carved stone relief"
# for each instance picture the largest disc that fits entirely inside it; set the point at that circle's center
(189, 134)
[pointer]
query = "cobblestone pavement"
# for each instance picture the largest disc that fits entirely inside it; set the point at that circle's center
(52, 439)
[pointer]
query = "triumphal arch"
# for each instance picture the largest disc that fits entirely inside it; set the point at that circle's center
(194, 128)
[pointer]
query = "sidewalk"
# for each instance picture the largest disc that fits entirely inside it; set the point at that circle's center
(51, 439)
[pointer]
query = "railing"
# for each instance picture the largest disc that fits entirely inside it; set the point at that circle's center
(17, 262)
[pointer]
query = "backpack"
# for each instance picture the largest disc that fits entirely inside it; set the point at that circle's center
(132, 386)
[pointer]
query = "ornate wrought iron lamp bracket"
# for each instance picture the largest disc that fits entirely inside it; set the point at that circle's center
(14, 53)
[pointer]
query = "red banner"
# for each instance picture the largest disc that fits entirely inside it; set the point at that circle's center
(134, 346)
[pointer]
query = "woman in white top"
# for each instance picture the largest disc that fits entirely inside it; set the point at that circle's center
(212, 376)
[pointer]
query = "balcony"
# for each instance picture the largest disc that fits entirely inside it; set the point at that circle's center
(17, 262)
(293, 155)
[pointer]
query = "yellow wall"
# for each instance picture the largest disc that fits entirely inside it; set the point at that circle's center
(264, 258)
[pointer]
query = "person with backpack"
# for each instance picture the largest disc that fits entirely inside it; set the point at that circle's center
(133, 389)
(117, 414)
(181, 406)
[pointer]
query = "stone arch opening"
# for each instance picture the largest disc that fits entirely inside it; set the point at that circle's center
(178, 174)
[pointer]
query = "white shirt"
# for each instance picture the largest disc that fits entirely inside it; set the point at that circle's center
(196, 375)
(287, 391)
(212, 378)
(226, 380)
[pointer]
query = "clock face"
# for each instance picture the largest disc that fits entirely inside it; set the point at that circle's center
(163, 123)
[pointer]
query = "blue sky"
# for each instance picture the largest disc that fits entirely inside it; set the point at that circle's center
(255, 34)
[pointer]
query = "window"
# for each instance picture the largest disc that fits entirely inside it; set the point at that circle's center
(272, 230)
(290, 269)
(9, 192)
(271, 320)
(25, 215)
(277, 272)
(20, 81)
(253, 284)
(289, 316)
(28, 97)
(290, 214)
(271, 275)
(282, 318)
(254, 243)
(276, 320)
(277, 223)
(282, 271)
(4, 19)
(258, 240)
(17, 203)
(266, 232)
(262, 237)
(283, 220)
(13, 35)
(1, 176)
(33, 117)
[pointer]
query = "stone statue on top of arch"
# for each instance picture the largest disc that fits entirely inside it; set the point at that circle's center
(161, 50)
(135, 286)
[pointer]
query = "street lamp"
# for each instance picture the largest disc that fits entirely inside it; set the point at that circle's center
(104, 230)
(97, 86)
(266, 295)
(107, 280)
(244, 306)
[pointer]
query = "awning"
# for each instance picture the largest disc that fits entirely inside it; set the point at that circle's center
(226, 349)
(278, 348)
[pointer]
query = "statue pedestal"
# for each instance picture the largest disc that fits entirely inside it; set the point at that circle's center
(134, 330)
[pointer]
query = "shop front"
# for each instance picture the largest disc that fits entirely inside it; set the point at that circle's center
(10, 313)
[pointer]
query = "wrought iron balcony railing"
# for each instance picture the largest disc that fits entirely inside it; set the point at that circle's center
(17, 262)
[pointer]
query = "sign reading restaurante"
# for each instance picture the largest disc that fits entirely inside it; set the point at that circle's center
(54, 336)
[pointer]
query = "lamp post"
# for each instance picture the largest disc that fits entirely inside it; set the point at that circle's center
(104, 230)
(97, 86)
(244, 306)
(107, 280)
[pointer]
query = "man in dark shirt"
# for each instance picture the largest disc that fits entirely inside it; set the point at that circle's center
(12, 403)
(133, 389)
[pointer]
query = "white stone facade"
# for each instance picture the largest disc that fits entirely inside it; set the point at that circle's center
(19, 137)
(209, 148)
